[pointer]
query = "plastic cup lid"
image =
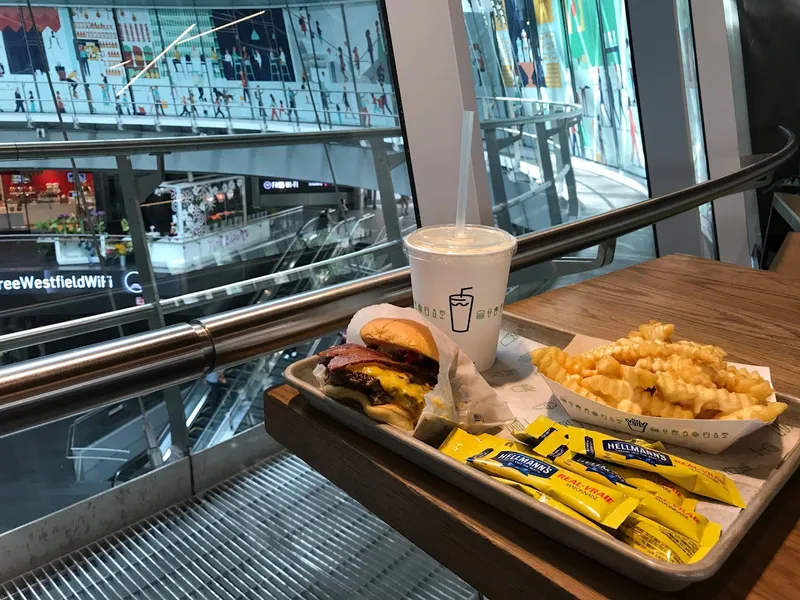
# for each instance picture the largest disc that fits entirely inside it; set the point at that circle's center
(477, 240)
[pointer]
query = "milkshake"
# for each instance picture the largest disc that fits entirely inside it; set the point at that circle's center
(459, 283)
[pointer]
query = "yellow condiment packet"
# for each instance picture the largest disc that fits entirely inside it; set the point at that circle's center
(545, 499)
(599, 503)
(686, 522)
(689, 475)
(658, 541)
(495, 441)
(655, 484)
(461, 445)
(536, 432)
(542, 428)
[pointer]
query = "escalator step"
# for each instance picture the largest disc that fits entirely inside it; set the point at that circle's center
(277, 530)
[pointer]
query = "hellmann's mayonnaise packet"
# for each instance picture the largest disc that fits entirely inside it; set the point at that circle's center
(658, 541)
(545, 499)
(536, 432)
(688, 475)
(461, 445)
(599, 503)
(655, 484)
(694, 526)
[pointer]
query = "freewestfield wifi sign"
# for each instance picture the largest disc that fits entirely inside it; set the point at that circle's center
(56, 283)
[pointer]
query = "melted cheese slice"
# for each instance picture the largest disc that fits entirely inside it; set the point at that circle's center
(405, 393)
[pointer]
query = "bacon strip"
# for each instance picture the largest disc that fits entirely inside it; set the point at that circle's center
(353, 354)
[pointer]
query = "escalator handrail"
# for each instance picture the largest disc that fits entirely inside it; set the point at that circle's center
(51, 387)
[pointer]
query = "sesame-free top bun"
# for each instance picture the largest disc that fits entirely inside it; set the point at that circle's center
(402, 334)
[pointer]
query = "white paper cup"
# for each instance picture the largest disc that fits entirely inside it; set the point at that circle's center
(459, 284)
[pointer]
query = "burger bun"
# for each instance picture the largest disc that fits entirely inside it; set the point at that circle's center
(400, 334)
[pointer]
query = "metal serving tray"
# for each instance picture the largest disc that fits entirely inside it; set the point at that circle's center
(603, 548)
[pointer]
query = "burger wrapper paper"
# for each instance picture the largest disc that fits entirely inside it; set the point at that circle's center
(461, 398)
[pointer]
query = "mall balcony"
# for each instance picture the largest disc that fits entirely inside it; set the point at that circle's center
(195, 200)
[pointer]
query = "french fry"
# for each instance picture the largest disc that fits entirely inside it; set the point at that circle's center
(638, 378)
(743, 381)
(655, 331)
(700, 398)
(645, 403)
(574, 365)
(546, 363)
(765, 412)
(683, 368)
(573, 384)
(610, 388)
(646, 373)
(609, 366)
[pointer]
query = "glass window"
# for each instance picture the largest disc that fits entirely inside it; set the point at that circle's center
(175, 234)
(560, 122)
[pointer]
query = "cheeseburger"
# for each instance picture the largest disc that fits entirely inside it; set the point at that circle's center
(390, 376)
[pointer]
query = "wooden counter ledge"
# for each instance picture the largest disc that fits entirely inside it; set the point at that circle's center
(754, 315)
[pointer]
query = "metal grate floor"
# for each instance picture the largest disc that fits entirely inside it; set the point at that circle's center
(278, 530)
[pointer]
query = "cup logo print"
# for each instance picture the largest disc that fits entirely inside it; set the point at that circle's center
(461, 310)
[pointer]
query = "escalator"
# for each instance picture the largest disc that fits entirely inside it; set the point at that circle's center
(277, 530)
(216, 413)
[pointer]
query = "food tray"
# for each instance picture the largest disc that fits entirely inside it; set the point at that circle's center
(582, 538)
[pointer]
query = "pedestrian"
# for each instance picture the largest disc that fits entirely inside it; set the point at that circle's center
(19, 102)
(323, 220)
(302, 21)
(185, 110)
(227, 65)
(31, 102)
(356, 60)
(342, 65)
(380, 72)
(281, 110)
(404, 205)
(176, 61)
(260, 99)
(245, 89)
(378, 35)
(341, 210)
(218, 107)
(370, 49)
(331, 65)
(383, 104)
(159, 109)
(104, 89)
(346, 102)
(214, 379)
(274, 106)
(319, 30)
(292, 106)
(191, 103)
(60, 104)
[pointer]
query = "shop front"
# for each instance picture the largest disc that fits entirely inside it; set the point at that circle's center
(39, 199)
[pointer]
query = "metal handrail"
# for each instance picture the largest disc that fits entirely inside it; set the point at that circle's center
(52, 387)
(192, 143)
(84, 148)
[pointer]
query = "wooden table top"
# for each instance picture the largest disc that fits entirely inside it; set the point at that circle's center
(754, 315)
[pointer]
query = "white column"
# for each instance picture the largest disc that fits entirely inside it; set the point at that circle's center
(720, 76)
(435, 84)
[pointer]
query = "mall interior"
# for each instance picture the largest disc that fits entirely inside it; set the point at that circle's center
(197, 197)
